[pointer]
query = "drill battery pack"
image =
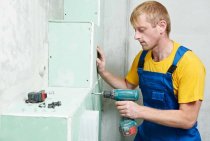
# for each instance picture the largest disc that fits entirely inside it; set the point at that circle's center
(36, 97)
(128, 127)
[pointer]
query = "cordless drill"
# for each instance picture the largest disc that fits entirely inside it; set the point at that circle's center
(127, 126)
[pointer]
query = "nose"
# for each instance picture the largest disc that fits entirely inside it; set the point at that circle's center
(137, 35)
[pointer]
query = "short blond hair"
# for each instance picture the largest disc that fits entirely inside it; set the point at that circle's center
(154, 12)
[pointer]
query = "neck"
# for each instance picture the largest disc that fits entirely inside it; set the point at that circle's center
(162, 50)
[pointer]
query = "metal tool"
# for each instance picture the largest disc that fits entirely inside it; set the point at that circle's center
(54, 104)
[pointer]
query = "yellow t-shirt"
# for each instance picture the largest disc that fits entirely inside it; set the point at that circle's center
(188, 78)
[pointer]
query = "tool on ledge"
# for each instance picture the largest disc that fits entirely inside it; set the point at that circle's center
(128, 127)
(36, 97)
(54, 104)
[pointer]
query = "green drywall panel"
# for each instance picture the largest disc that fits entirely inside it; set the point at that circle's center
(63, 122)
(82, 10)
(75, 124)
(69, 54)
(17, 128)
(97, 104)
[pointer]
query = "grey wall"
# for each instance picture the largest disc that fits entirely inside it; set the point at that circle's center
(192, 29)
(23, 45)
(115, 43)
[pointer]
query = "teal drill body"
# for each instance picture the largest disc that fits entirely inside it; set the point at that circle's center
(125, 95)
(128, 126)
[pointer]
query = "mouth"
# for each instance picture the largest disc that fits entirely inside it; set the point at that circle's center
(142, 42)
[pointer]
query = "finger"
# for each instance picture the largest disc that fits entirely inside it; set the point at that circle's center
(122, 112)
(124, 115)
(98, 61)
(101, 54)
(99, 50)
(120, 103)
(121, 107)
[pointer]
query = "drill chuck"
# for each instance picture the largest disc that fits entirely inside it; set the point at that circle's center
(108, 94)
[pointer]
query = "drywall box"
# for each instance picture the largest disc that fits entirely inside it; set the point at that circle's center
(72, 78)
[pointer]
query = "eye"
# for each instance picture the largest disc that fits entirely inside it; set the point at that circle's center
(140, 29)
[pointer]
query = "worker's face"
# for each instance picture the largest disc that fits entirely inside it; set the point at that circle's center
(146, 34)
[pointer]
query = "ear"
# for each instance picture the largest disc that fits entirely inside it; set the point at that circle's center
(162, 24)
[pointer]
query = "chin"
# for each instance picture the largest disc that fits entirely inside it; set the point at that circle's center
(145, 48)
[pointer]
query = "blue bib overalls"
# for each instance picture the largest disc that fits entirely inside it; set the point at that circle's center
(157, 91)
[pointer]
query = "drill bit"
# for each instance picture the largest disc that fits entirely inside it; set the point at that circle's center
(97, 93)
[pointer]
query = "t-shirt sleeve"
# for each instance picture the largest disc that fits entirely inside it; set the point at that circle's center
(132, 76)
(191, 79)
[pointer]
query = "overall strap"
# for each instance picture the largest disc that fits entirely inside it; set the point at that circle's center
(141, 59)
(180, 52)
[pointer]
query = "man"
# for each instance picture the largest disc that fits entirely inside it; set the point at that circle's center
(170, 76)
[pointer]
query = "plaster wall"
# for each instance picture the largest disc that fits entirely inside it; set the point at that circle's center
(115, 45)
(23, 47)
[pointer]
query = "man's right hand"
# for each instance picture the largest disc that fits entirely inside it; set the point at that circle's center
(113, 81)
(100, 60)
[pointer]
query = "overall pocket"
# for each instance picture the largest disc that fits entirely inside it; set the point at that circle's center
(158, 99)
